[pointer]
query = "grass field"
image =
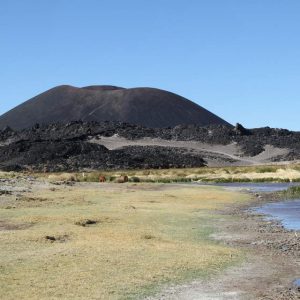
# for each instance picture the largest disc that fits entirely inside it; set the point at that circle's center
(109, 241)
(261, 173)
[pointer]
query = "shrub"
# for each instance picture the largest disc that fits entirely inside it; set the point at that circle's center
(134, 179)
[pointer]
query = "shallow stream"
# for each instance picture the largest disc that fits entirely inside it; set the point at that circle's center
(287, 211)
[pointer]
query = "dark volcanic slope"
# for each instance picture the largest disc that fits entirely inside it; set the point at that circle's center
(145, 106)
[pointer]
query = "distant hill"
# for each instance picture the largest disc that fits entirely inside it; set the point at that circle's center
(144, 106)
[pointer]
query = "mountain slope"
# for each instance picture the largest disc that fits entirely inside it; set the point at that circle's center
(144, 106)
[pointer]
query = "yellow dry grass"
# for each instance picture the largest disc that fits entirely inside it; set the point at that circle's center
(145, 235)
(284, 172)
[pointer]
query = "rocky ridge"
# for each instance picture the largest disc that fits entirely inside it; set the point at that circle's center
(59, 147)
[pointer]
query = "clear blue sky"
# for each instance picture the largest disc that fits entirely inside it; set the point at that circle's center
(238, 58)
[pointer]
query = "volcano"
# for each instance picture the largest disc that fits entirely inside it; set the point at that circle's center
(148, 107)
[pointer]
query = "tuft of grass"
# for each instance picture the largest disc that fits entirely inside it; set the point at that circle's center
(292, 192)
(266, 169)
(148, 237)
(295, 167)
(62, 177)
(134, 179)
(86, 222)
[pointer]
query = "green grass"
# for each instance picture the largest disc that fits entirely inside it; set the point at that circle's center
(292, 192)
(266, 169)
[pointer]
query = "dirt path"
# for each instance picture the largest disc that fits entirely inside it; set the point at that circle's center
(220, 152)
(272, 262)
